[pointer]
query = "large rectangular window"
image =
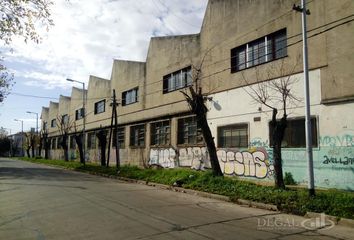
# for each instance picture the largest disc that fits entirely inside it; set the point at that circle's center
(130, 96)
(177, 80)
(160, 133)
(189, 132)
(294, 136)
(264, 49)
(100, 106)
(65, 119)
(79, 114)
(53, 123)
(233, 136)
(137, 136)
(54, 143)
(121, 138)
(91, 140)
(72, 142)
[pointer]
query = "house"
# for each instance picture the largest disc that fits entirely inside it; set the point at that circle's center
(242, 43)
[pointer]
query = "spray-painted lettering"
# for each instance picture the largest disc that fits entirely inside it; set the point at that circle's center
(250, 163)
(334, 160)
(165, 157)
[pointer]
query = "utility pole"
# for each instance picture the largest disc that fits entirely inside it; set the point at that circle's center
(114, 118)
(311, 184)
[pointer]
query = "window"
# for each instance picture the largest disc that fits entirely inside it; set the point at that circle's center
(100, 106)
(54, 143)
(233, 136)
(79, 114)
(72, 142)
(294, 136)
(137, 136)
(91, 140)
(189, 132)
(53, 123)
(121, 138)
(265, 49)
(130, 96)
(65, 119)
(160, 133)
(44, 126)
(177, 80)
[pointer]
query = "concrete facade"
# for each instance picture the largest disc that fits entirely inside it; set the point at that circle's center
(155, 120)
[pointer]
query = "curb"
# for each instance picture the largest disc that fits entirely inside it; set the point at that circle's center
(337, 221)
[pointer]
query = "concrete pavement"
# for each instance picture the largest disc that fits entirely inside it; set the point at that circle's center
(41, 202)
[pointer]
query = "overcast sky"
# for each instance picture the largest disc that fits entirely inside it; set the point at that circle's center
(87, 36)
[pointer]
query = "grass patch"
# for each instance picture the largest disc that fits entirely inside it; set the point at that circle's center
(333, 202)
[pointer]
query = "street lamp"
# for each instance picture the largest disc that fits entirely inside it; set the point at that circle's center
(84, 113)
(17, 120)
(36, 126)
(36, 120)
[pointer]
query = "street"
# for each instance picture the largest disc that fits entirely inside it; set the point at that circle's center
(41, 202)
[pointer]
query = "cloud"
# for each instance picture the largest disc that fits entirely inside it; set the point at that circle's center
(87, 37)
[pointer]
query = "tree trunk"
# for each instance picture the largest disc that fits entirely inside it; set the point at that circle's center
(46, 146)
(277, 138)
(33, 146)
(64, 145)
(102, 138)
(28, 152)
(196, 103)
(78, 140)
(209, 141)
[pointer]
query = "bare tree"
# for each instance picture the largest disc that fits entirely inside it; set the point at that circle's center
(64, 127)
(78, 140)
(27, 144)
(196, 101)
(102, 138)
(276, 94)
(20, 19)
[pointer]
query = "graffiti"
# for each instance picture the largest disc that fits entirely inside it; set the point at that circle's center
(194, 157)
(250, 163)
(345, 161)
(165, 157)
(346, 140)
(258, 142)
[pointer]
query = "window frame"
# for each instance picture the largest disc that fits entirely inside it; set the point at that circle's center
(53, 123)
(121, 138)
(96, 107)
(126, 93)
(91, 140)
(233, 127)
(181, 132)
(79, 114)
(135, 134)
(162, 137)
(290, 123)
(182, 81)
(270, 44)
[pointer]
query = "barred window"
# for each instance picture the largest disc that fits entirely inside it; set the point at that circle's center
(264, 49)
(91, 140)
(137, 136)
(121, 138)
(177, 80)
(233, 136)
(294, 136)
(100, 106)
(79, 114)
(130, 96)
(160, 133)
(189, 132)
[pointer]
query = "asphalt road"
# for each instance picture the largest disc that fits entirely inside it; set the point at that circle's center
(40, 202)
